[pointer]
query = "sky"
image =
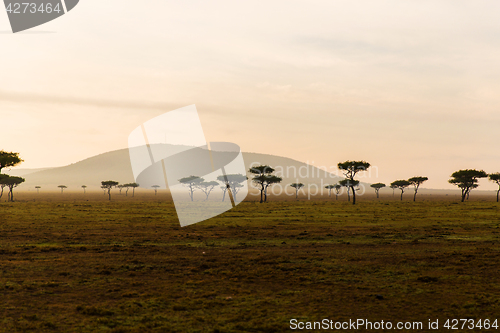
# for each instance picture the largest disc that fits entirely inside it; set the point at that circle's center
(411, 87)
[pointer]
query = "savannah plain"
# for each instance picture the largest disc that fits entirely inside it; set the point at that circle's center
(75, 263)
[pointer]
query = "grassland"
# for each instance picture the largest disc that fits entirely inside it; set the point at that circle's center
(127, 266)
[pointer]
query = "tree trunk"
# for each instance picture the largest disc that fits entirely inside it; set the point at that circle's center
(329, 192)
(109, 194)
(377, 194)
(336, 197)
(497, 193)
(296, 193)
(133, 191)
(353, 195)
(261, 193)
(402, 191)
(463, 195)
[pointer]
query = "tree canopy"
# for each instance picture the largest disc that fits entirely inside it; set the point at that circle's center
(467, 180)
(400, 184)
(9, 159)
(263, 179)
(416, 182)
(495, 177)
(11, 182)
(377, 187)
(297, 187)
(191, 183)
(350, 169)
(108, 185)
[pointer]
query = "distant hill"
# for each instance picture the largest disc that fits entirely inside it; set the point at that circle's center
(115, 165)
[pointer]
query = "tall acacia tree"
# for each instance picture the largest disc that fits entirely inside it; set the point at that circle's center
(12, 182)
(350, 169)
(495, 177)
(191, 183)
(377, 187)
(401, 184)
(156, 188)
(467, 180)
(416, 182)
(233, 182)
(9, 159)
(297, 187)
(348, 183)
(108, 185)
(38, 189)
(84, 188)
(263, 179)
(62, 187)
(207, 187)
(337, 188)
(330, 188)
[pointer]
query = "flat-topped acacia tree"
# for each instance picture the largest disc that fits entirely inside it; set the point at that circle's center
(347, 183)
(12, 182)
(108, 185)
(207, 187)
(263, 179)
(62, 187)
(155, 187)
(297, 187)
(350, 169)
(495, 177)
(233, 182)
(377, 187)
(84, 188)
(330, 188)
(191, 183)
(467, 180)
(38, 189)
(401, 184)
(416, 182)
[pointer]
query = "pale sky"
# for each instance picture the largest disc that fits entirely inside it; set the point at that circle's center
(410, 86)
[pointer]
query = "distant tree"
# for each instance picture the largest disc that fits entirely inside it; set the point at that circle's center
(133, 186)
(37, 189)
(393, 188)
(467, 180)
(401, 184)
(62, 187)
(297, 187)
(9, 159)
(347, 183)
(416, 182)
(84, 188)
(191, 183)
(156, 188)
(12, 182)
(120, 187)
(330, 188)
(495, 177)
(263, 179)
(207, 187)
(232, 181)
(108, 185)
(350, 169)
(3, 183)
(337, 190)
(377, 187)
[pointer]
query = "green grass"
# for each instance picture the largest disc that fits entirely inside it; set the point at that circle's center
(130, 267)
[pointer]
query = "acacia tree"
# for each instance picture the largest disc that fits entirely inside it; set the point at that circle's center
(120, 187)
(350, 169)
(263, 179)
(156, 188)
(401, 184)
(3, 183)
(12, 182)
(495, 177)
(297, 187)
(108, 185)
(348, 183)
(134, 186)
(191, 183)
(9, 159)
(62, 187)
(37, 189)
(84, 188)
(377, 187)
(467, 180)
(330, 188)
(416, 181)
(207, 187)
(233, 182)
(393, 188)
(337, 188)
